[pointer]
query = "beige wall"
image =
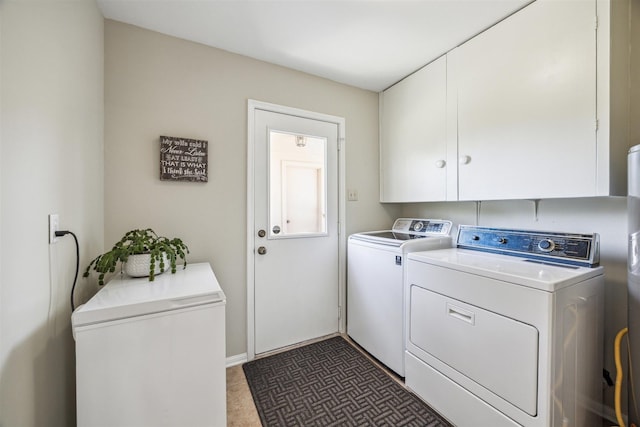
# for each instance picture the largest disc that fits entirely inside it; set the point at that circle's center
(51, 161)
(159, 85)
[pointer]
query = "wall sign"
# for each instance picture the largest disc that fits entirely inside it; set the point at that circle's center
(183, 159)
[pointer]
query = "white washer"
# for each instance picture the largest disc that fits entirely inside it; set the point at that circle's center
(152, 353)
(507, 328)
(375, 272)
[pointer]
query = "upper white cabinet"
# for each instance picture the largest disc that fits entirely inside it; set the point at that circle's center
(526, 105)
(537, 106)
(413, 148)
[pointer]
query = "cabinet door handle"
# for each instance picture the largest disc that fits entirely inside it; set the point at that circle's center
(464, 160)
(440, 164)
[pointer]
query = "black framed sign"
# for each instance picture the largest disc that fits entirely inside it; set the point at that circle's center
(183, 159)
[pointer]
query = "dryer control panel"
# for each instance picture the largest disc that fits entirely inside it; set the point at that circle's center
(545, 246)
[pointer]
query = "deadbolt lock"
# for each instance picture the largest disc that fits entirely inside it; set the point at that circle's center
(262, 233)
(262, 250)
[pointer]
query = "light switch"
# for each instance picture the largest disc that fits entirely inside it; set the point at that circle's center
(352, 195)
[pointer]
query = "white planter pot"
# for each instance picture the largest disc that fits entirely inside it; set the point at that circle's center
(138, 265)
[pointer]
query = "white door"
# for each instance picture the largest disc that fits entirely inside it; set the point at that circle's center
(295, 260)
(303, 207)
(526, 102)
(413, 137)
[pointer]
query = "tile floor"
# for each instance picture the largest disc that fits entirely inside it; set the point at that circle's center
(241, 411)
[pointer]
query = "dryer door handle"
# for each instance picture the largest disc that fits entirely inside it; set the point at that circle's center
(461, 314)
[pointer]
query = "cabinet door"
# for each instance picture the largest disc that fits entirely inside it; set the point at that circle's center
(526, 100)
(413, 137)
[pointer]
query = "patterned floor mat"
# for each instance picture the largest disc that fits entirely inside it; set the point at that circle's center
(330, 383)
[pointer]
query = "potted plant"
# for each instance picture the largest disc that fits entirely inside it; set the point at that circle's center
(158, 250)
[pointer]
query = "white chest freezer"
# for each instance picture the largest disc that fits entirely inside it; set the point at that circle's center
(152, 353)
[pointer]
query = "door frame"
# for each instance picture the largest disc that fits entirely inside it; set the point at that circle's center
(254, 105)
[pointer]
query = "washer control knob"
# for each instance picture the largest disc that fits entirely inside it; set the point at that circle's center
(475, 238)
(418, 226)
(502, 240)
(546, 245)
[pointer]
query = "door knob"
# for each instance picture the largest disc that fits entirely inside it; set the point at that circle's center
(262, 250)
(262, 233)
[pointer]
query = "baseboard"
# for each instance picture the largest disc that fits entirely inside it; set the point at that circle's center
(238, 359)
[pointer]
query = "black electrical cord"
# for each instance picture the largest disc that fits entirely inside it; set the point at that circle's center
(63, 233)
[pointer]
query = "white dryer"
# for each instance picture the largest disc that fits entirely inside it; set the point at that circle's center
(375, 274)
(506, 329)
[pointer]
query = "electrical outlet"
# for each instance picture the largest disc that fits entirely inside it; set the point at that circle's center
(54, 222)
(352, 195)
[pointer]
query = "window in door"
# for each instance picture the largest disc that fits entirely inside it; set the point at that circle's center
(297, 185)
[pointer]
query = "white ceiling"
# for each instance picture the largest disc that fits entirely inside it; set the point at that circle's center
(363, 43)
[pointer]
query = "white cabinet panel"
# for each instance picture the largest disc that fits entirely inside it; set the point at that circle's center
(537, 106)
(413, 147)
(526, 105)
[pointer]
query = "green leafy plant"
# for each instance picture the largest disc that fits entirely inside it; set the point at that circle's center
(137, 242)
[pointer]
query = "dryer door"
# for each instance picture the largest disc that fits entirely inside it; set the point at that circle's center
(497, 352)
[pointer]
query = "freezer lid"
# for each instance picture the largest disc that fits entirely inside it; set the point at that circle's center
(125, 297)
